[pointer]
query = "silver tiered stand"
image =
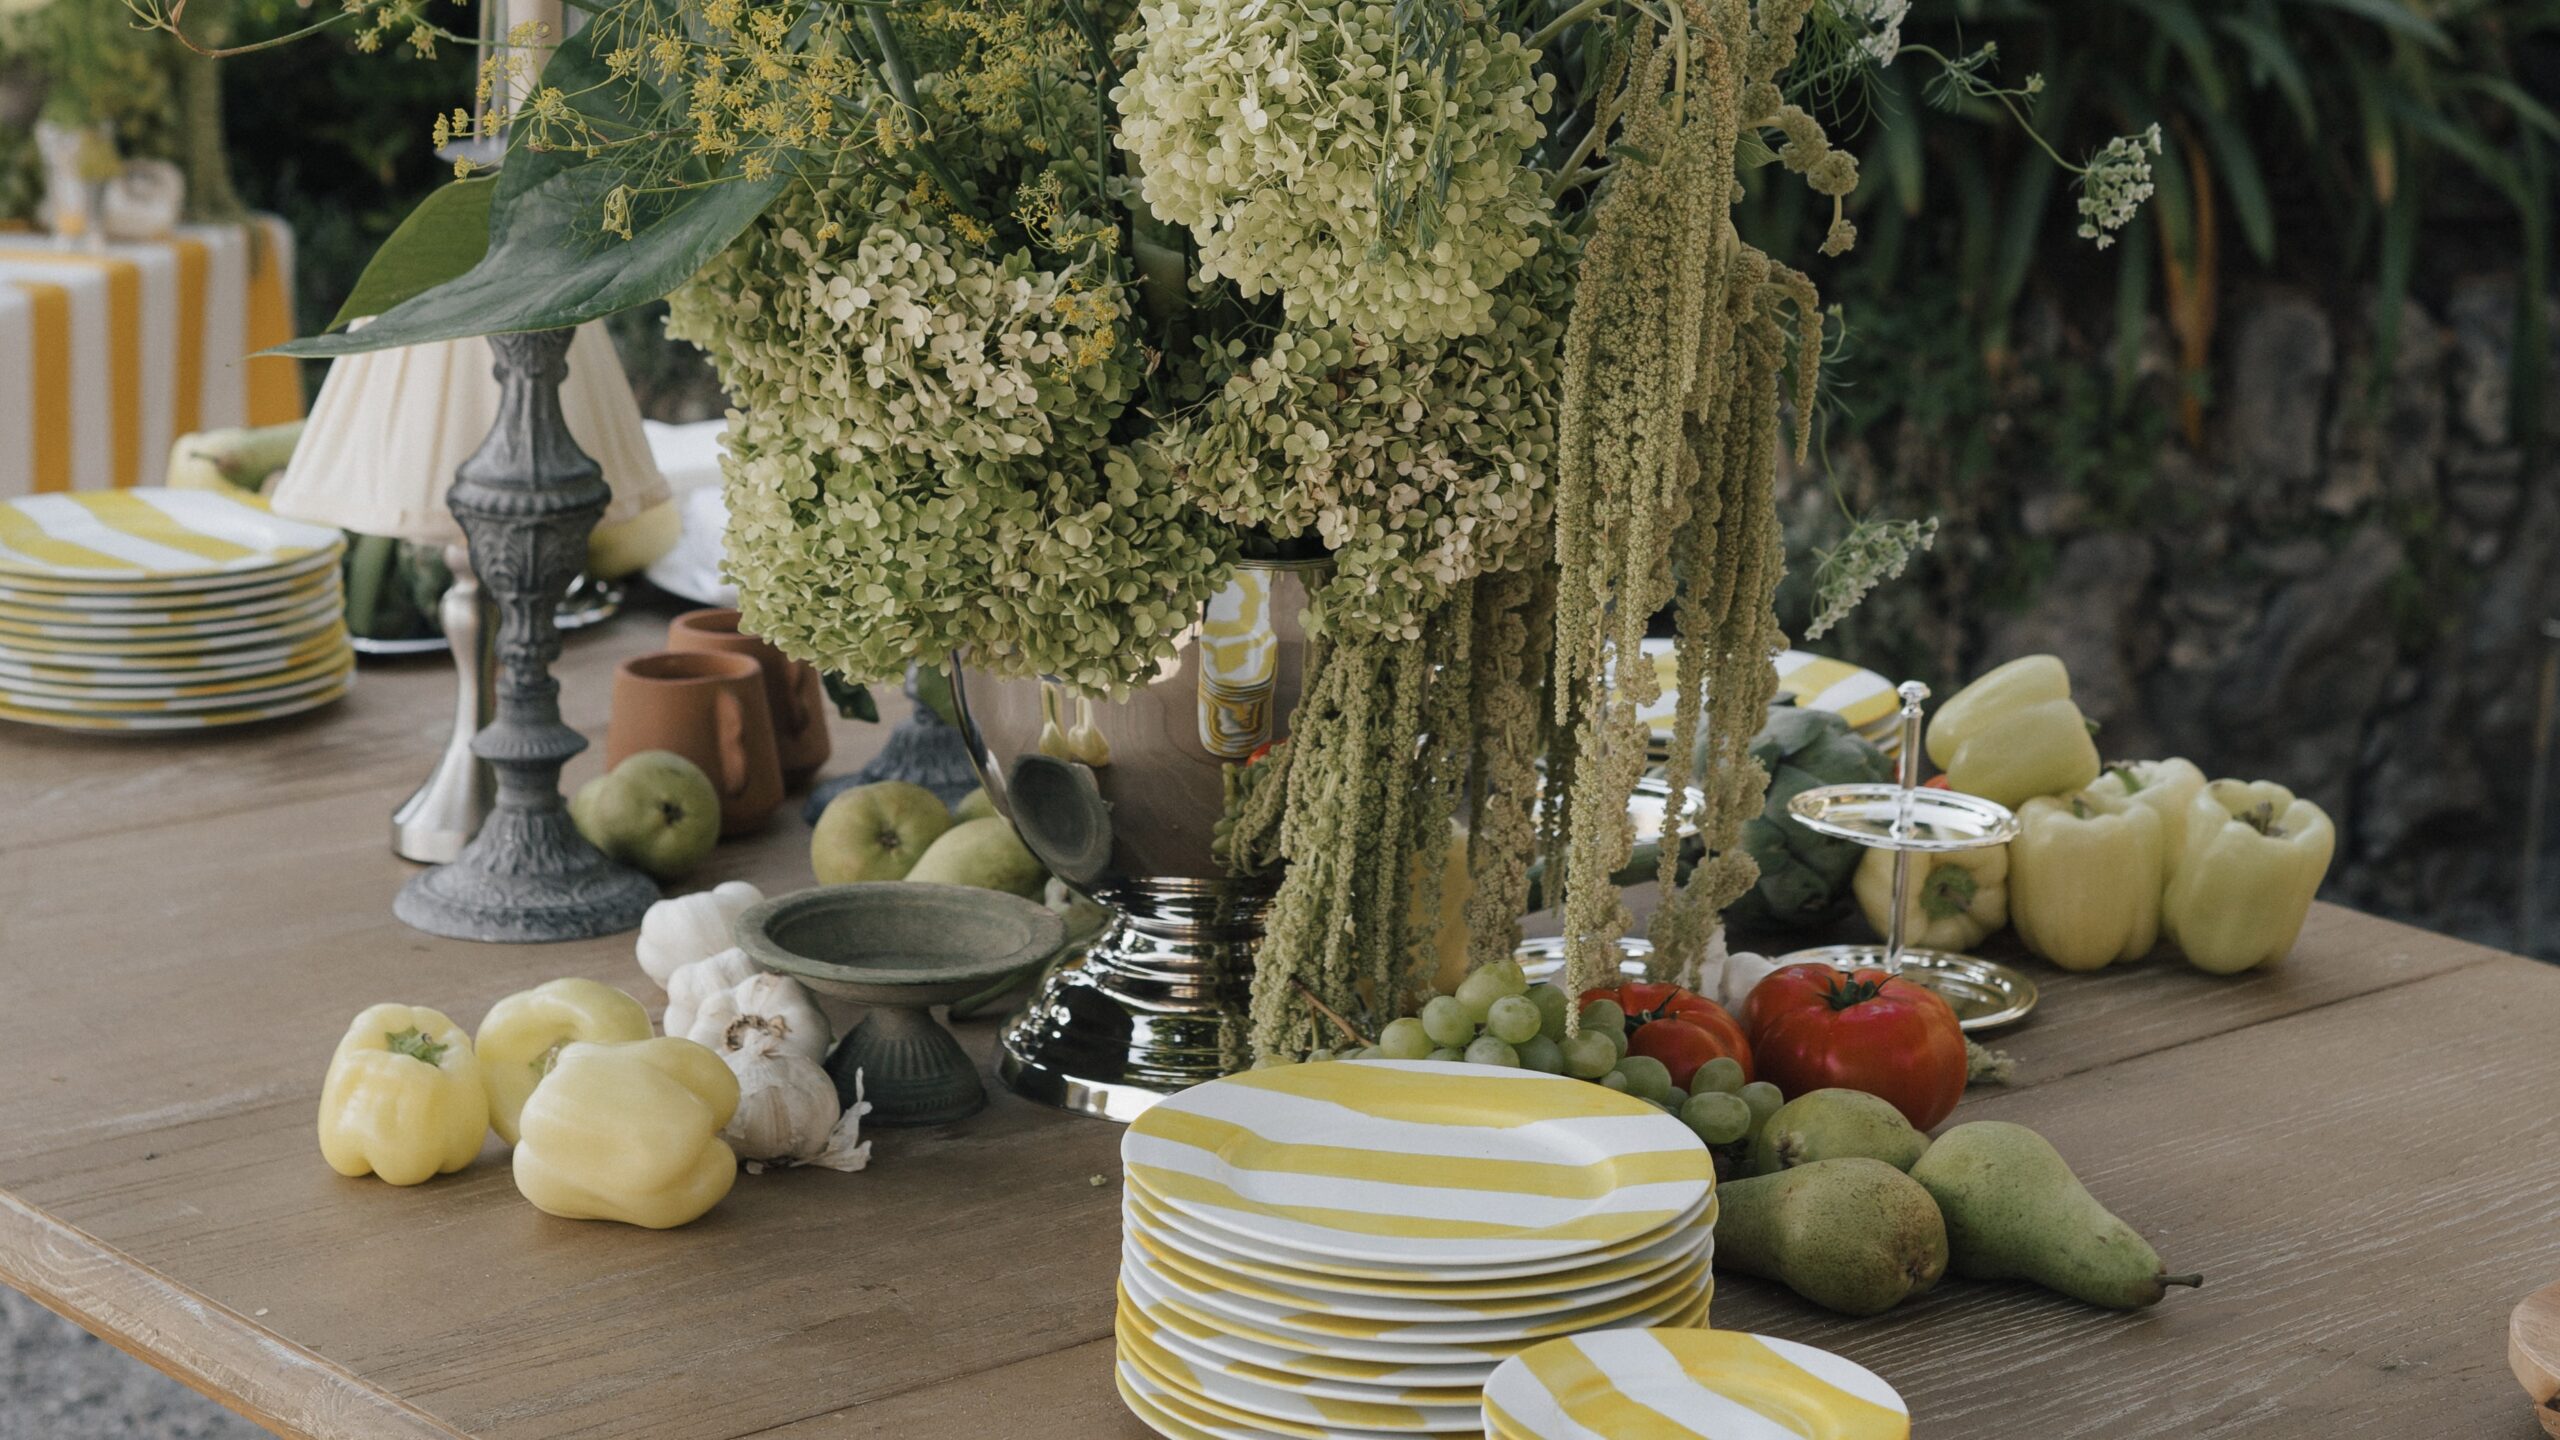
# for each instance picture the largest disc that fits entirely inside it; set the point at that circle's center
(1909, 820)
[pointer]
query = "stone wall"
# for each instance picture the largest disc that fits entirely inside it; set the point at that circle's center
(2351, 588)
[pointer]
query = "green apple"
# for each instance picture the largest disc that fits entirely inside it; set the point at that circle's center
(976, 805)
(984, 853)
(875, 832)
(655, 810)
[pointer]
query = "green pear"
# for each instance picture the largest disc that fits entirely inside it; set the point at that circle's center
(1853, 1235)
(656, 810)
(2015, 1211)
(984, 853)
(875, 832)
(1833, 1125)
(976, 805)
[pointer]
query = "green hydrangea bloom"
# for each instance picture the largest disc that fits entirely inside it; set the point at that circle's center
(920, 462)
(1316, 155)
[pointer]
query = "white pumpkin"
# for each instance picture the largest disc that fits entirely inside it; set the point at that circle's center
(762, 1010)
(693, 986)
(678, 931)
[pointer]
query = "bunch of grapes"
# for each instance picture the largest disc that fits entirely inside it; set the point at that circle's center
(1499, 1018)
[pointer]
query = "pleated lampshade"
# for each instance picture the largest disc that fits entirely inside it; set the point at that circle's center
(390, 428)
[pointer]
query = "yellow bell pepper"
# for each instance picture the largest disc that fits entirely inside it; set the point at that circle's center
(2084, 883)
(2255, 857)
(403, 1099)
(1957, 897)
(2164, 787)
(2014, 734)
(629, 1132)
(521, 1036)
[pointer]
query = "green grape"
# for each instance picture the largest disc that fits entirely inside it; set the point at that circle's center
(1447, 1053)
(1318, 1053)
(1404, 1039)
(1366, 1052)
(1554, 1008)
(1274, 1062)
(1513, 1020)
(1604, 1015)
(1618, 1040)
(1507, 975)
(1477, 993)
(1614, 1081)
(1541, 1054)
(1485, 1050)
(1718, 1117)
(1447, 1023)
(1589, 1055)
(1764, 1100)
(1646, 1076)
(1722, 1073)
(1677, 1098)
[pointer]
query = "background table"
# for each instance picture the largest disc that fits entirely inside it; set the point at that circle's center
(107, 357)
(2359, 1150)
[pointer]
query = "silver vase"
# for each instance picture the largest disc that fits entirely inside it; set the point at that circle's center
(1159, 1001)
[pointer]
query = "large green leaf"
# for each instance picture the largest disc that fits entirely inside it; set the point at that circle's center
(549, 264)
(443, 238)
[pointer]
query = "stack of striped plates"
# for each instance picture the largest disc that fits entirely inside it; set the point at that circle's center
(1687, 1385)
(145, 610)
(1346, 1250)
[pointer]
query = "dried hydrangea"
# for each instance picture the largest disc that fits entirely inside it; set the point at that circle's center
(919, 463)
(1317, 155)
(1419, 466)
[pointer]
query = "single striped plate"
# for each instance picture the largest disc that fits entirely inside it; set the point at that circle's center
(239, 688)
(258, 659)
(33, 650)
(167, 594)
(150, 534)
(323, 601)
(328, 676)
(1233, 1392)
(1688, 1385)
(212, 720)
(1417, 1164)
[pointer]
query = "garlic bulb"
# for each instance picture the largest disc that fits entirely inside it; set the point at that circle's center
(787, 1111)
(692, 986)
(762, 1010)
(678, 931)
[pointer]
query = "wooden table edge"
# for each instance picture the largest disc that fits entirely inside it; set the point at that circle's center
(221, 1354)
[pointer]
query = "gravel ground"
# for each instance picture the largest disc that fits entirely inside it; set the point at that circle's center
(58, 1382)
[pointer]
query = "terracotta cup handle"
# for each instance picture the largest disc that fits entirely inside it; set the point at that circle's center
(732, 721)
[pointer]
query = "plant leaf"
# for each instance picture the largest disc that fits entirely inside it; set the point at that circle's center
(2393, 15)
(548, 264)
(443, 238)
(2243, 183)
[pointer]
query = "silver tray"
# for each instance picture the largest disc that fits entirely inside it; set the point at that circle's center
(1934, 819)
(1543, 958)
(1985, 994)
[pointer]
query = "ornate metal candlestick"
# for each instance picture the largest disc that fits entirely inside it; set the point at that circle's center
(527, 499)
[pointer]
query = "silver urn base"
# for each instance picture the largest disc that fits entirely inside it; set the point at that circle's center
(1121, 799)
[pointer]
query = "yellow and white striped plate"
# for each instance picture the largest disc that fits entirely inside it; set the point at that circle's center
(1860, 696)
(209, 720)
(135, 535)
(1232, 1392)
(236, 690)
(296, 610)
(1689, 1385)
(1404, 1163)
(166, 594)
(1166, 1228)
(1557, 1270)
(228, 664)
(1409, 1308)
(1361, 1375)
(327, 676)
(1316, 1325)
(290, 595)
(41, 650)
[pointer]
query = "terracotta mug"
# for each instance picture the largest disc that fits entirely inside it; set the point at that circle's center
(793, 693)
(708, 708)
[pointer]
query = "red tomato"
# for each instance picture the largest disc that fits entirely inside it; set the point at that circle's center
(1814, 1027)
(1678, 1028)
(1936, 782)
(1259, 751)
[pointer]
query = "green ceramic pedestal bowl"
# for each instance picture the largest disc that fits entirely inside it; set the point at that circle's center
(901, 949)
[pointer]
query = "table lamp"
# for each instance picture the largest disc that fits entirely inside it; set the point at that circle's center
(388, 432)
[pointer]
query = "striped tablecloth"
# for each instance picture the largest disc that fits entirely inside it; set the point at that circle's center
(107, 358)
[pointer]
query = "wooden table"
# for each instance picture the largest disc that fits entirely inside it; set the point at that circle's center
(2359, 1150)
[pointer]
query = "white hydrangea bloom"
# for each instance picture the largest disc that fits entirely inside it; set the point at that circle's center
(1265, 128)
